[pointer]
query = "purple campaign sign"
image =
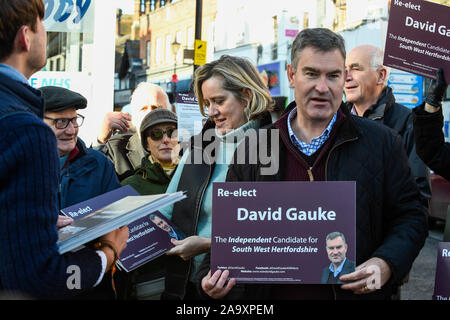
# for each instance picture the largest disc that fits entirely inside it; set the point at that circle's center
(81, 209)
(274, 232)
(442, 280)
(188, 98)
(149, 238)
(417, 39)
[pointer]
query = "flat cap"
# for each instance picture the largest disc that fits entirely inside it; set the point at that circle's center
(58, 99)
(158, 116)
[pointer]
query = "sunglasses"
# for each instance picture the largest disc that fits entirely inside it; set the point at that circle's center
(158, 134)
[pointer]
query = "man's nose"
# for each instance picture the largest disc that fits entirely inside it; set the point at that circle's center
(70, 129)
(349, 76)
(322, 85)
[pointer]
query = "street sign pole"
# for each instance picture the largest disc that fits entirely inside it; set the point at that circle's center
(198, 22)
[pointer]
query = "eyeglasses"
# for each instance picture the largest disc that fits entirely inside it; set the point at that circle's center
(62, 123)
(158, 134)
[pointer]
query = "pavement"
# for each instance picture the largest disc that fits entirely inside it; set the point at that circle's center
(421, 278)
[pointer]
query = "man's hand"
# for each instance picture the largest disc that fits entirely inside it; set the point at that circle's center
(368, 277)
(436, 91)
(113, 121)
(118, 237)
(189, 247)
(216, 286)
(63, 221)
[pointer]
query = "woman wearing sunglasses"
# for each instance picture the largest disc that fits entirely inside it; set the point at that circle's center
(237, 101)
(159, 138)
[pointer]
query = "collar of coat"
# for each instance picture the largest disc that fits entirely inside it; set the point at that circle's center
(348, 130)
(384, 103)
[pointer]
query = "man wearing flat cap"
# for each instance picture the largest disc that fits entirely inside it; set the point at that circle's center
(85, 173)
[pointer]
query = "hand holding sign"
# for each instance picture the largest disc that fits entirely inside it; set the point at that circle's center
(216, 286)
(189, 247)
(437, 89)
(368, 277)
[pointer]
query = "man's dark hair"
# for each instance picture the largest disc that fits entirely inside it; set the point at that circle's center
(13, 15)
(320, 38)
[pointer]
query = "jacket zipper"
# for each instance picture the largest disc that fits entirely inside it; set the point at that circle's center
(326, 179)
(197, 216)
(329, 154)
(310, 174)
(309, 171)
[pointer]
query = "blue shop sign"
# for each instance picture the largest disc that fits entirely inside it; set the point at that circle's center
(406, 87)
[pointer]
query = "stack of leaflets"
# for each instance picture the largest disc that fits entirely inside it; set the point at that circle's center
(93, 219)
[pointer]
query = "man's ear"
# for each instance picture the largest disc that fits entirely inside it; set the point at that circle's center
(382, 75)
(23, 39)
(290, 74)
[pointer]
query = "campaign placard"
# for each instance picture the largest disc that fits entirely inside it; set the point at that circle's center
(91, 205)
(190, 120)
(442, 278)
(150, 233)
(417, 39)
(275, 232)
(149, 238)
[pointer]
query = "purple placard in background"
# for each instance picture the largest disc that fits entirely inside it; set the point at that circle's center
(417, 39)
(442, 280)
(273, 245)
(188, 98)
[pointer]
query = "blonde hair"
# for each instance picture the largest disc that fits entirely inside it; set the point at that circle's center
(237, 74)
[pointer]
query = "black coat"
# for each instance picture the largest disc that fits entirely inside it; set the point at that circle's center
(194, 180)
(399, 118)
(391, 221)
(430, 142)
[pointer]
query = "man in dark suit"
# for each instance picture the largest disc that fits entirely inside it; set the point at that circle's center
(340, 265)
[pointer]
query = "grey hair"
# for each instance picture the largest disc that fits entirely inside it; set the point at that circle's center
(376, 58)
(322, 39)
(145, 94)
(334, 235)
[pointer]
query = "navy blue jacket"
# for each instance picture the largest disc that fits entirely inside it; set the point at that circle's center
(88, 175)
(29, 170)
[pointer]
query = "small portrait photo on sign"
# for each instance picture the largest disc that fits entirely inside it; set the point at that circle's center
(336, 248)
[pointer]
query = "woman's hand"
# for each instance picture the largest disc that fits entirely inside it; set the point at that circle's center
(216, 286)
(190, 247)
